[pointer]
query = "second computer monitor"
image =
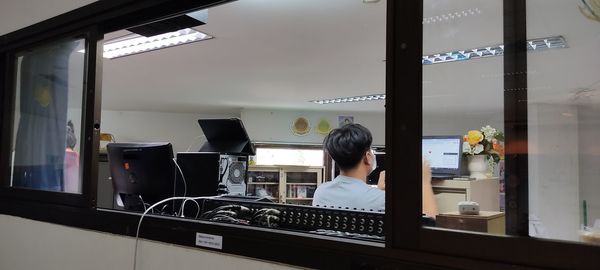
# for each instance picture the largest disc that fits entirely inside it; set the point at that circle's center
(142, 173)
(201, 172)
(444, 154)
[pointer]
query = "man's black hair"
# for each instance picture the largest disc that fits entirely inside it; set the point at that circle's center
(71, 137)
(348, 144)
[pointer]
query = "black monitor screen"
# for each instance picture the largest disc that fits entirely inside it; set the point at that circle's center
(142, 173)
(373, 177)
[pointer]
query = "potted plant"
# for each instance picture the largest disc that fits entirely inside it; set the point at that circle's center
(483, 147)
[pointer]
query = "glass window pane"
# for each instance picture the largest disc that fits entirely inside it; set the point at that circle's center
(463, 108)
(46, 147)
(291, 72)
(564, 123)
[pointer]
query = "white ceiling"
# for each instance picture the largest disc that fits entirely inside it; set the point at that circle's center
(476, 87)
(280, 54)
(16, 14)
(265, 54)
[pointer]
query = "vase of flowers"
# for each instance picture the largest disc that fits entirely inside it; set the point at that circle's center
(478, 166)
(483, 147)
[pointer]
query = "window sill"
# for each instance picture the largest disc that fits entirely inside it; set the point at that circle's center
(289, 247)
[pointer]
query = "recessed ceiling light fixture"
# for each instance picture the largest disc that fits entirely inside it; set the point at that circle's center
(134, 43)
(451, 16)
(373, 97)
(537, 44)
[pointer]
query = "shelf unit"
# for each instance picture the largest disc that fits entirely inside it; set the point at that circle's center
(285, 184)
(263, 183)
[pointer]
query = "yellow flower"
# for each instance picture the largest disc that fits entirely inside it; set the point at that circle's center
(474, 137)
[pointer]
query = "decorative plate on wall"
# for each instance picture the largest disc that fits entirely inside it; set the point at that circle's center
(323, 127)
(301, 126)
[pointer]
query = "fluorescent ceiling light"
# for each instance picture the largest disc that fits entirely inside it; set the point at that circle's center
(451, 16)
(373, 97)
(134, 43)
(537, 44)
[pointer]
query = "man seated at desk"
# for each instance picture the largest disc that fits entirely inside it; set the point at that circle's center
(350, 148)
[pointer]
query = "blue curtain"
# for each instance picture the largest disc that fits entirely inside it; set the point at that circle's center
(41, 134)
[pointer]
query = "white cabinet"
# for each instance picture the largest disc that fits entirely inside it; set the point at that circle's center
(448, 193)
(285, 184)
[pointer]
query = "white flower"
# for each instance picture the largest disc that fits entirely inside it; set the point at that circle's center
(467, 148)
(488, 132)
(478, 149)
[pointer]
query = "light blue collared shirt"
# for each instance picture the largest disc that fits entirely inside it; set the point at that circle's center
(349, 192)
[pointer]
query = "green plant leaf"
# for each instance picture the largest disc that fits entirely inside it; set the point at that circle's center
(499, 136)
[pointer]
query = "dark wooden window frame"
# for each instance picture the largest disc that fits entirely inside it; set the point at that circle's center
(407, 243)
(89, 118)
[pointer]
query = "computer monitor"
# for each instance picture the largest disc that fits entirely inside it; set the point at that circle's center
(201, 172)
(142, 173)
(373, 177)
(226, 136)
(444, 154)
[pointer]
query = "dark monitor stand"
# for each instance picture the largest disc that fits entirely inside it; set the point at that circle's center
(142, 173)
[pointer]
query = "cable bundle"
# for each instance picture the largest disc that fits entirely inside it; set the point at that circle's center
(228, 213)
(266, 217)
(237, 214)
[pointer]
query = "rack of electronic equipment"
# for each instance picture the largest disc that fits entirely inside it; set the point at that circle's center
(349, 223)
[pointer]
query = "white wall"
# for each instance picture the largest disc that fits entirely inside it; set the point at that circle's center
(27, 244)
(180, 129)
(554, 170)
(275, 125)
(589, 158)
(459, 124)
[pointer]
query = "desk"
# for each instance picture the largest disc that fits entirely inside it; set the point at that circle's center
(486, 221)
(448, 193)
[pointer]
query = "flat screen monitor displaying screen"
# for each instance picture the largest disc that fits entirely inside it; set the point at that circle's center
(142, 173)
(443, 154)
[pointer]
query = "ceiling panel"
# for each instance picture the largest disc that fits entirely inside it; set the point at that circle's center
(280, 54)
